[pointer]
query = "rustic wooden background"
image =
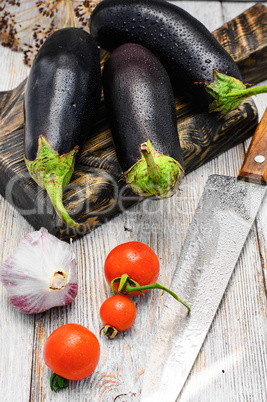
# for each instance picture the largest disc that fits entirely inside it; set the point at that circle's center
(232, 363)
(97, 191)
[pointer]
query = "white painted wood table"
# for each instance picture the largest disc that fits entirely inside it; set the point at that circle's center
(232, 365)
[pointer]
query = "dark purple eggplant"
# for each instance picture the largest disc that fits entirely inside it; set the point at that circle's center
(141, 110)
(198, 66)
(62, 95)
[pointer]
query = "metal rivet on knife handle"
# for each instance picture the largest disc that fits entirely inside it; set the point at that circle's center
(259, 158)
(254, 168)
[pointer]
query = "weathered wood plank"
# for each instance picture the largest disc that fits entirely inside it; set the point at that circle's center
(16, 329)
(163, 226)
(253, 38)
(237, 339)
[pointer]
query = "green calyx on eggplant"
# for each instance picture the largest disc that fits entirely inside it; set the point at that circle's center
(189, 52)
(141, 110)
(228, 92)
(154, 174)
(62, 96)
(52, 172)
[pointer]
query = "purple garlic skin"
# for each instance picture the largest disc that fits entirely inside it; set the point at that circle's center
(41, 274)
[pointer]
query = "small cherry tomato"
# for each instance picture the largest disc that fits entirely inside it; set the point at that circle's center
(135, 259)
(72, 352)
(117, 313)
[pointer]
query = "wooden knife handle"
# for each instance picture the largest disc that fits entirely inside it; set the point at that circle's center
(254, 168)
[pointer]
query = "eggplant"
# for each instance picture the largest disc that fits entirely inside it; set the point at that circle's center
(141, 111)
(198, 66)
(62, 95)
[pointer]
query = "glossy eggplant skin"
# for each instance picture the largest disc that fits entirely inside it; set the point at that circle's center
(63, 92)
(186, 48)
(62, 96)
(141, 107)
(140, 104)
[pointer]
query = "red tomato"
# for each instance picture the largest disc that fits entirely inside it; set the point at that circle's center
(72, 352)
(135, 259)
(118, 312)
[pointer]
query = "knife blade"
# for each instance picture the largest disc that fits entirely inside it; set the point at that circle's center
(217, 233)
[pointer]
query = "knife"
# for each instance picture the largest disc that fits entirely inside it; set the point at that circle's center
(217, 233)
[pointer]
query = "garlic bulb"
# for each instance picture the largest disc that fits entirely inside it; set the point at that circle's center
(41, 274)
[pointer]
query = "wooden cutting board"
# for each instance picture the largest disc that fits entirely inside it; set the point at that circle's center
(97, 191)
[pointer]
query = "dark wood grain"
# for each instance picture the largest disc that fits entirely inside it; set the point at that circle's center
(245, 38)
(97, 191)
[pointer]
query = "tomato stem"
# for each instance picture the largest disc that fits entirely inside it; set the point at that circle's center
(57, 382)
(128, 285)
(109, 331)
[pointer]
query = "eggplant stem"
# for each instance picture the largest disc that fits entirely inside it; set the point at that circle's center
(125, 287)
(235, 97)
(228, 92)
(154, 174)
(54, 189)
(152, 168)
(251, 91)
(52, 172)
